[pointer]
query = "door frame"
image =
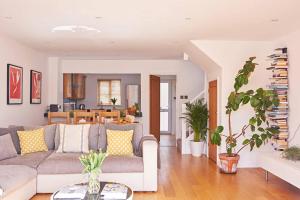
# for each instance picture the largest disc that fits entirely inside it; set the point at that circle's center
(169, 132)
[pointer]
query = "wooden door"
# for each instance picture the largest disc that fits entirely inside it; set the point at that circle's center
(213, 102)
(155, 106)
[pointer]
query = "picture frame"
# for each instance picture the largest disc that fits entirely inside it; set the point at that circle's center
(35, 87)
(14, 84)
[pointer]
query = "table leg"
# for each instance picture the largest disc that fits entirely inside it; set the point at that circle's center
(266, 175)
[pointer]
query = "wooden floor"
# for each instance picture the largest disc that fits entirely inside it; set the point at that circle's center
(186, 178)
(167, 140)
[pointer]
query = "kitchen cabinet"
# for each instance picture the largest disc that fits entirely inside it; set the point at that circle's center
(74, 86)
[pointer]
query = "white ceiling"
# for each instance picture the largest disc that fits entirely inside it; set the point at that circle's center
(143, 28)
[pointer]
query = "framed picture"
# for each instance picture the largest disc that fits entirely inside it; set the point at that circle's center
(14, 84)
(35, 87)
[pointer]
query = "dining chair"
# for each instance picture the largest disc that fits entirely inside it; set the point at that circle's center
(58, 117)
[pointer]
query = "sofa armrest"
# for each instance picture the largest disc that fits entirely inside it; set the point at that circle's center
(150, 160)
(139, 150)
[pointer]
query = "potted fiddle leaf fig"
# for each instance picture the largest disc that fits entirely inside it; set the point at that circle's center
(196, 117)
(257, 130)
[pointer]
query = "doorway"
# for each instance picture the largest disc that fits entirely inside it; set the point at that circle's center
(213, 109)
(168, 110)
(163, 108)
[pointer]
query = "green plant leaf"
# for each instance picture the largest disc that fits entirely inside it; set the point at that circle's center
(246, 99)
(252, 121)
(261, 129)
(246, 141)
(254, 101)
(258, 142)
(252, 128)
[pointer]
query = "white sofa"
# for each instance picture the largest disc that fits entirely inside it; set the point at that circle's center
(46, 172)
(288, 170)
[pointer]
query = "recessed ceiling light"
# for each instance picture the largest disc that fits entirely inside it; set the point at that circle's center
(274, 20)
(75, 28)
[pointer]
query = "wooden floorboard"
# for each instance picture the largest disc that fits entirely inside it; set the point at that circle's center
(186, 178)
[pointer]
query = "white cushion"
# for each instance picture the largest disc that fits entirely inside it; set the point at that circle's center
(73, 138)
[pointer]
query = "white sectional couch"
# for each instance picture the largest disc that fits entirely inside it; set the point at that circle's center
(46, 172)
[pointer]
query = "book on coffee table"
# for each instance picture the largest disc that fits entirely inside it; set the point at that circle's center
(114, 191)
(72, 192)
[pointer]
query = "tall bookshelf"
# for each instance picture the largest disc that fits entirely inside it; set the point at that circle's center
(278, 116)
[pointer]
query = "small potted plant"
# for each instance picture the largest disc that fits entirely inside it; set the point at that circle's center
(260, 101)
(196, 117)
(71, 115)
(92, 166)
(114, 101)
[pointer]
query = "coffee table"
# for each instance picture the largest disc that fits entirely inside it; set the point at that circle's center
(97, 196)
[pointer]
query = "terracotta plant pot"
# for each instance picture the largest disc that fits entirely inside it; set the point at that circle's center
(229, 163)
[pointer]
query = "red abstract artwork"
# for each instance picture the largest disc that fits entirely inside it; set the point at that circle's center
(35, 87)
(15, 84)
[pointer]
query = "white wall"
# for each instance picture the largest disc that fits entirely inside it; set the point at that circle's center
(26, 114)
(230, 56)
(292, 42)
(190, 78)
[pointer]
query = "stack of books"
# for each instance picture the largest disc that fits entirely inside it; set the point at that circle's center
(114, 191)
(278, 116)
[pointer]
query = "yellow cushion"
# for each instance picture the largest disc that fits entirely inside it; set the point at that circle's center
(32, 141)
(119, 142)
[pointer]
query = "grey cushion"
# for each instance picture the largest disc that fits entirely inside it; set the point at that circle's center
(61, 163)
(31, 160)
(137, 132)
(56, 138)
(122, 164)
(14, 136)
(93, 137)
(68, 163)
(13, 177)
(102, 138)
(7, 148)
(50, 131)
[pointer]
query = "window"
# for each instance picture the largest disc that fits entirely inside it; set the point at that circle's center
(108, 89)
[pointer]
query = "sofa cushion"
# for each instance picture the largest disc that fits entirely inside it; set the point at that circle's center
(102, 138)
(7, 148)
(50, 131)
(12, 130)
(122, 164)
(61, 163)
(31, 160)
(119, 142)
(13, 177)
(74, 138)
(68, 163)
(93, 137)
(32, 141)
(137, 132)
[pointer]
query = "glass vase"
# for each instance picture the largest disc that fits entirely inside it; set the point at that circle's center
(94, 183)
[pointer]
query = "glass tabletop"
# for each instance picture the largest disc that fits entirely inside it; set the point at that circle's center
(96, 196)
